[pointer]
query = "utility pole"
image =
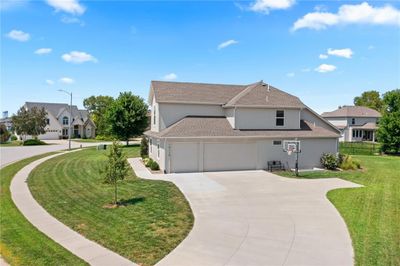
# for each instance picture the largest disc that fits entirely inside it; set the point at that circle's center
(70, 117)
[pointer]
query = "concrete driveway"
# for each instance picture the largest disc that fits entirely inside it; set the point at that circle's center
(258, 218)
(12, 154)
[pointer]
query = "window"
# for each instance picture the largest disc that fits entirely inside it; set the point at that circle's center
(353, 121)
(280, 118)
(151, 145)
(154, 115)
(158, 150)
(276, 142)
(47, 121)
(65, 121)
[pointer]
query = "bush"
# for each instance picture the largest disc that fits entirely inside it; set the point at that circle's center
(146, 161)
(154, 166)
(144, 147)
(4, 134)
(329, 161)
(349, 163)
(14, 138)
(103, 137)
(31, 142)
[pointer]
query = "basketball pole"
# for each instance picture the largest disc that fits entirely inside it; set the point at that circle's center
(297, 159)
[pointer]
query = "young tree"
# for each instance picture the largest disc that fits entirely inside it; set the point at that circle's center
(127, 116)
(30, 121)
(97, 107)
(116, 168)
(369, 99)
(389, 124)
(4, 134)
(144, 147)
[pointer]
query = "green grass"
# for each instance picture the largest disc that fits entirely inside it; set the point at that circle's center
(11, 143)
(372, 213)
(20, 242)
(359, 148)
(155, 219)
(89, 140)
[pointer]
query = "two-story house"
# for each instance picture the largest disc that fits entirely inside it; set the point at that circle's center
(356, 123)
(58, 115)
(213, 127)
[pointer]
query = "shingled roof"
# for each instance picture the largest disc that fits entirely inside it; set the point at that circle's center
(258, 94)
(352, 111)
(55, 109)
(202, 126)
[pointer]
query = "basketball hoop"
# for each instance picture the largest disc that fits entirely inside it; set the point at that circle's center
(293, 146)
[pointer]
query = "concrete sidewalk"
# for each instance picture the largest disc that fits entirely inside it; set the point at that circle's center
(258, 218)
(87, 250)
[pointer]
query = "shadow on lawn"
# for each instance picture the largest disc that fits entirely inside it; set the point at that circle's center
(131, 201)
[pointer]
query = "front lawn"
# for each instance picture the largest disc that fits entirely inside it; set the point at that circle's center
(11, 143)
(20, 242)
(372, 213)
(155, 217)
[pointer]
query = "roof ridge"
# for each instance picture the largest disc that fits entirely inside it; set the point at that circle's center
(243, 93)
(201, 83)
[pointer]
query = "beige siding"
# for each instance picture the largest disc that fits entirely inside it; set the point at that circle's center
(254, 118)
(155, 123)
(309, 116)
(172, 113)
(230, 116)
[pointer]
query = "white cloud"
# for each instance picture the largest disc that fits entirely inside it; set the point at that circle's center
(290, 75)
(66, 80)
(18, 35)
(68, 6)
(264, 6)
(325, 68)
(305, 70)
(323, 56)
(49, 82)
(350, 14)
(226, 44)
(42, 51)
(170, 76)
(77, 57)
(371, 47)
(346, 53)
(72, 20)
(12, 4)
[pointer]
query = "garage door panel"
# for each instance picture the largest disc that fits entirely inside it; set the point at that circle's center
(184, 157)
(230, 156)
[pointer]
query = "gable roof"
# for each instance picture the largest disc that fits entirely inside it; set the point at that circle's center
(257, 94)
(203, 126)
(56, 109)
(352, 111)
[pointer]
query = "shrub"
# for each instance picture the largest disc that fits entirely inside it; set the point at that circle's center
(4, 134)
(154, 166)
(14, 138)
(148, 162)
(144, 147)
(30, 142)
(329, 161)
(349, 163)
(103, 137)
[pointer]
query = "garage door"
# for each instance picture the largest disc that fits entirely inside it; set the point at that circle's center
(184, 157)
(230, 156)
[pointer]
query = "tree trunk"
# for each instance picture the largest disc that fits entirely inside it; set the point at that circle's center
(127, 142)
(115, 194)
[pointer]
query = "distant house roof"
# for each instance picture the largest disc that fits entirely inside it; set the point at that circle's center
(257, 94)
(369, 125)
(200, 126)
(56, 109)
(352, 111)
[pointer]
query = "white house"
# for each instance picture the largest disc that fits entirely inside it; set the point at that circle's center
(213, 127)
(58, 115)
(356, 123)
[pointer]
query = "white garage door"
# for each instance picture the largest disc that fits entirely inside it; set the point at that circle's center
(230, 156)
(184, 157)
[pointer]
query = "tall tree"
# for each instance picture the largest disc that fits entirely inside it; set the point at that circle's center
(116, 168)
(30, 121)
(389, 124)
(4, 134)
(97, 107)
(127, 116)
(369, 99)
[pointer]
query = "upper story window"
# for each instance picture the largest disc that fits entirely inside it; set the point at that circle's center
(47, 121)
(280, 118)
(154, 115)
(65, 121)
(353, 121)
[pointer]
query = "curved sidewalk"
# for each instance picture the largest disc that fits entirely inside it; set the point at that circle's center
(89, 251)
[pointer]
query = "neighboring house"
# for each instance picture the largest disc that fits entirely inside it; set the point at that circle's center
(7, 121)
(58, 115)
(213, 127)
(356, 123)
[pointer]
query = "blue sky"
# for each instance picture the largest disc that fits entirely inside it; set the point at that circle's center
(104, 47)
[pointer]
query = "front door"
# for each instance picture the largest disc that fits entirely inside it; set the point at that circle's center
(65, 132)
